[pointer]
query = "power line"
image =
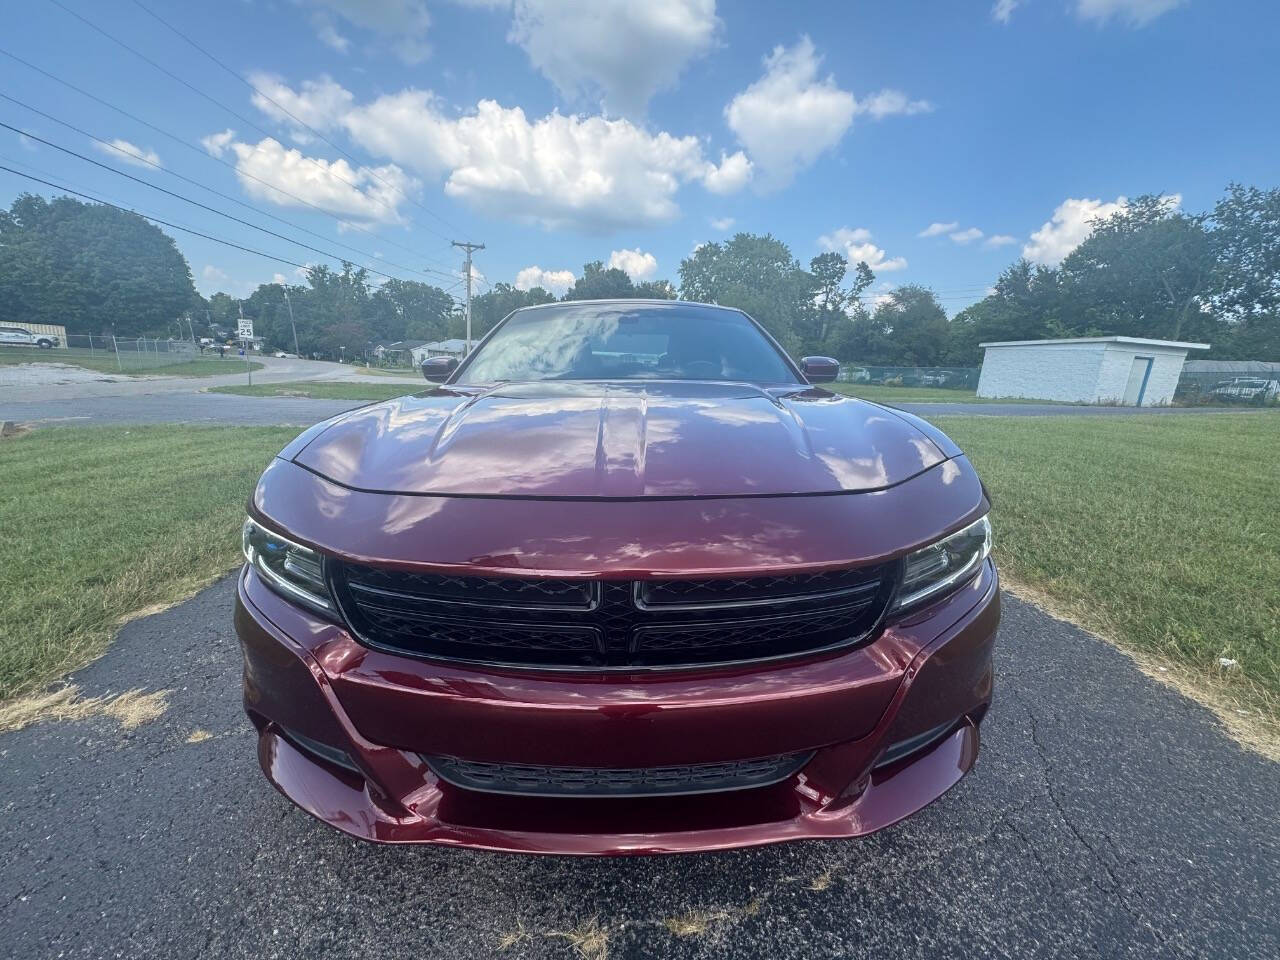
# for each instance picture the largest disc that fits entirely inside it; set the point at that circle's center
(196, 183)
(166, 223)
(328, 170)
(178, 196)
(173, 225)
(342, 220)
(285, 110)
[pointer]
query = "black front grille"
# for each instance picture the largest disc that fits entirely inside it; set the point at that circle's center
(530, 780)
(610, 624)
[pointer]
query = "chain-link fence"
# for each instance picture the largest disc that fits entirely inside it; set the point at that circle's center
(945, 378)
(108, 353)
(1218, 388)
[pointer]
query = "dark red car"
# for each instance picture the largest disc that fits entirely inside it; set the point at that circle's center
(626, 582)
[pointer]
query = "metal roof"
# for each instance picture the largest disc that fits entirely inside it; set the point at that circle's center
(1134, 341)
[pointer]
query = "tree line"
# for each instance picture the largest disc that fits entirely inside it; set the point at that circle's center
(1148, 270)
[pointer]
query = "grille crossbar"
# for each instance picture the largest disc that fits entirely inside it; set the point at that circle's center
(619, 625)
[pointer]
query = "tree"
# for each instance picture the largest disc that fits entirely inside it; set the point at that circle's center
(1246, 252)
(915, 323)
(489, 308)
(91, 267)
(1024, 305)
(757, 274)
(836, 309)
(1145, 271)
(601, 283)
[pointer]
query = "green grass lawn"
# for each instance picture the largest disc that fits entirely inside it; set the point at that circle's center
(879, 393)
(105, 362)
(101, 522)
(392, 372)
(323, 390)
(1158, 531)
(1162, 532)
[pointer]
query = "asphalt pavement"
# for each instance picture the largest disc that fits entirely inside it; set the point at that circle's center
(1107, 816)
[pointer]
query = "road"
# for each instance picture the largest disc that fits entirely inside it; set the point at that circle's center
(185, 400)
(1107, 816)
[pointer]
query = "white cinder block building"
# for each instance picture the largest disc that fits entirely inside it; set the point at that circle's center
(1124, 370)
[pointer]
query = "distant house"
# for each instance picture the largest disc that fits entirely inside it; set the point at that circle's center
(442, 348)
(401, 353)
(1130, 371)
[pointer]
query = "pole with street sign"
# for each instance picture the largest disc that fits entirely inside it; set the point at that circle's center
(244, 330)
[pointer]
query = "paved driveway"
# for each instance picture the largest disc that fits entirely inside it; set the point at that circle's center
(1107, 816)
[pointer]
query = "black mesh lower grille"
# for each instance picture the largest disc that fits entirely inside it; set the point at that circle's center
(533, 780)
(585, 624)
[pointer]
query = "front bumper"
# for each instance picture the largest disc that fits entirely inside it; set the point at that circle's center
(343, 729)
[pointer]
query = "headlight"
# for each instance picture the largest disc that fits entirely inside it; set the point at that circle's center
(943, 565)
(292, 570)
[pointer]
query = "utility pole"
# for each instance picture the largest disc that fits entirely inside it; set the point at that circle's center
(291, 324)
(470, 248)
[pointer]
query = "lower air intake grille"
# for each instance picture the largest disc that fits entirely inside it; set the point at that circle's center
(519, 778)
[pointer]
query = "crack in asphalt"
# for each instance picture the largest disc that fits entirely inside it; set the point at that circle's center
(1117, 887)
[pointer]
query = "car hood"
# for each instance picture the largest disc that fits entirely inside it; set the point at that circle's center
(623, 440)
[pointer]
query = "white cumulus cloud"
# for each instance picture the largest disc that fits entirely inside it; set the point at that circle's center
(556, 281)
(130, 153)
(1002, 10)
(722, 223)
(730, 175)
(216, 143)
(637, 264)
(1000, 240)
(855, 244)
(1070, 226)
(888, 103)
(1137, 13)
(320, 104)
(402, 24)
(936, 229)
(589, 172)
(964, 237)
(790, 116)
(617, 52)
(361, 195)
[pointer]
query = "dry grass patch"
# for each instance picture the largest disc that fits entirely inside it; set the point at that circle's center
(130, 709)
(589, 939)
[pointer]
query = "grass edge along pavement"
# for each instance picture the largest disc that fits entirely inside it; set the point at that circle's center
(325, 389)
(103, 522)
(105, 362)
(1158, 534)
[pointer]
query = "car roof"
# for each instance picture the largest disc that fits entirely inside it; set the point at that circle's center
(644, 301)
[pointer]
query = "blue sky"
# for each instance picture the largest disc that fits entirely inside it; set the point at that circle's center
(937, 140)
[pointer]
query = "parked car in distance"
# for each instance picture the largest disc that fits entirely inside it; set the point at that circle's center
(22, 337)
(1249, 389)
(624, 581)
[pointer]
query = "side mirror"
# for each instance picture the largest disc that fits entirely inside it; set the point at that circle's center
(439, 369)
(819, 369)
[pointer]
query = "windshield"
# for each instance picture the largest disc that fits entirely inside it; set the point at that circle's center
(612, 341)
